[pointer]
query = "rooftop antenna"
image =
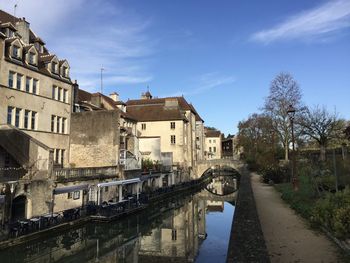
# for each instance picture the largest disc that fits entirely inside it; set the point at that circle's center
(14, 10)
(102, 69)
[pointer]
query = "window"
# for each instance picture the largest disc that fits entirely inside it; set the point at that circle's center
(11, 77)
(63, 128)
(9, 114)
(210, 149)
(64, 95)
(76, 195)
(54, 92)
(214, 141)
(172, 139)
(15, 51)
(19, 81)
(214, 149)
(62, 156)
(35, 86)
(106, 188)
(57, 153)
(31, 58)
(65, 71)
(33, 120)
(52, 123)
(58, 124)
(70, 195)
(17, 117)
(53, 67)
(26, 119)
(173, 234)
(28, 84)
(59, 93)
(172, 125)
(143, 126)
(10, 33)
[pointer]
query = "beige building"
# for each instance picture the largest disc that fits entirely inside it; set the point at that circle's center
(35, 87)
(212, 144)
(172, 119)
(35, 110)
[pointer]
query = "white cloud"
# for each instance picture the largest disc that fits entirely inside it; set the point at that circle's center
(207, 82)
(90, 34)
(318, 23)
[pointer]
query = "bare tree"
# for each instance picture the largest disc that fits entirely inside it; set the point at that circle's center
(284, 91)
(322, 126)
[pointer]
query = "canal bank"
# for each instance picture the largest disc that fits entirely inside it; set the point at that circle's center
(288, 236)
(179, 229)
(153, 198)
(247, 242)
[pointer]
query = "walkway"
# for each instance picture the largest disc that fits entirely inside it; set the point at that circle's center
(287, 236)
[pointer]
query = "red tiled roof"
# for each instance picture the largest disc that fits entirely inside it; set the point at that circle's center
(184, 105)
(84, 95)
(6, 17)
(212, 133)
(155, 112)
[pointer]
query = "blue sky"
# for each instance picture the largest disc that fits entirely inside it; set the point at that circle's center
(221, 55)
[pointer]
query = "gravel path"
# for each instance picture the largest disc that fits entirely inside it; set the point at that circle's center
(287, 236)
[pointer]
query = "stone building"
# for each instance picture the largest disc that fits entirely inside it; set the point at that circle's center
(212, 144)
(35, 87)
(125, 128)
(228, 147)
(172, 119)
(35, 109)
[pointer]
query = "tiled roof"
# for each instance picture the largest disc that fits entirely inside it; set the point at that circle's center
(212, 133)
(184, 105)
(198, 118)
(84, 95)
(155, 112)
(46, 58)
(6, 17)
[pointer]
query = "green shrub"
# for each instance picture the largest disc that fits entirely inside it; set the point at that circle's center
(275, 173)
(333, 212)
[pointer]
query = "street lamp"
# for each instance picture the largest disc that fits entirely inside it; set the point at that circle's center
(295, 181)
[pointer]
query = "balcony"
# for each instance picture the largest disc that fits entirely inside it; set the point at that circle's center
(71, 174)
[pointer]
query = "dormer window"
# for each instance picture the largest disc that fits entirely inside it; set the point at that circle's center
(65, 72)
(10, 33)
(53, 67)
(32, 58)
(15, 51)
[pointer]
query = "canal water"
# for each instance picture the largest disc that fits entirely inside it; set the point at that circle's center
(190, 227)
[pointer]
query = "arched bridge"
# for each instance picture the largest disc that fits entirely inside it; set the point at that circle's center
(218, 164)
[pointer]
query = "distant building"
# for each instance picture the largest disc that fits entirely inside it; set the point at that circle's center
(172, 119)
(212, 144)
(228, 146)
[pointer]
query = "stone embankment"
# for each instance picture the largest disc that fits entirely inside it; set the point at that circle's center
(247, 242)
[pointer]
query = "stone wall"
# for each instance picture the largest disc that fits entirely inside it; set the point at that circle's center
(94, 139)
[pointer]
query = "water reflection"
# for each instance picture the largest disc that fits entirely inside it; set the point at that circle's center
(181, 228)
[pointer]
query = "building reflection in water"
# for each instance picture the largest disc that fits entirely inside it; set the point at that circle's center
(175, 230)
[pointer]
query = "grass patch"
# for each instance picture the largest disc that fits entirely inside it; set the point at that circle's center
(302, 201)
